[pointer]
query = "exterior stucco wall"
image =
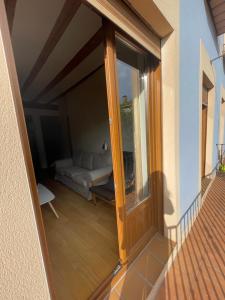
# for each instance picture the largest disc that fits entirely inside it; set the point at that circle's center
(185, 54)
(22, 274)
(170, 114)
(196, 31)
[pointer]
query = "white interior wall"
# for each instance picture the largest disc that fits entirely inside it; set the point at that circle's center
(64, 119)
(88, 114)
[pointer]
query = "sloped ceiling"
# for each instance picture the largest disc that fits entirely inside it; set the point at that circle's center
(46, 36)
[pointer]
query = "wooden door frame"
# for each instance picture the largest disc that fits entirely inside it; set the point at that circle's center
(206, 102)
(115, 135)
(155, 84)
(155, 136)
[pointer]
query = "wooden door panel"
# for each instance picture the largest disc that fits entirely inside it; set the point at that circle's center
(137, 222)
(115, 136)
(139, 225)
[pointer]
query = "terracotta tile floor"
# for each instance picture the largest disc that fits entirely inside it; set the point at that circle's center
(198, 271)
(137, 283)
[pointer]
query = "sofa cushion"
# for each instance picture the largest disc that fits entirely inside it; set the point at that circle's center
(101, 160)
(73, 171)
(61, 171)
(87, 160)
(99, 176)
(77, 156)
(63, 163)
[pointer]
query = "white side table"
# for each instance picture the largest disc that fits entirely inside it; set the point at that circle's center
(46, 196)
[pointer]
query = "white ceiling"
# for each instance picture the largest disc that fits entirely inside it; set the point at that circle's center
(32, 25)
(93, 61)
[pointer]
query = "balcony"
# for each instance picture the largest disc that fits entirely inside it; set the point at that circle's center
(198, 272)
(198, 269)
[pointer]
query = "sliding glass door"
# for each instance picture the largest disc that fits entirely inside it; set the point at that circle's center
(132, 76)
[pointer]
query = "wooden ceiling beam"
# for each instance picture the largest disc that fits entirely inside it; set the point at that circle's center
(75, 85)
(10, 6)
(67, 13)
(89, 47)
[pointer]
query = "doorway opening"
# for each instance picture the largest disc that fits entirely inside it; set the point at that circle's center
(91, 98)
(63, 89)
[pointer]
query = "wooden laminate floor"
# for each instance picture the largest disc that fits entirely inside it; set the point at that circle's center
(82, 242)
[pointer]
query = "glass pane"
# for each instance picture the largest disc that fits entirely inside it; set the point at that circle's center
(131, 66)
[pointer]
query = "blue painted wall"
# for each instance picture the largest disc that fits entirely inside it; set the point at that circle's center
(195, 24)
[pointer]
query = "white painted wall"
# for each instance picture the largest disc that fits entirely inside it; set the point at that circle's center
(88, 114)
(64, 118)
(170, 114)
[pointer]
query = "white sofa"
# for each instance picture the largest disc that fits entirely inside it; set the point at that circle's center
(84, 171)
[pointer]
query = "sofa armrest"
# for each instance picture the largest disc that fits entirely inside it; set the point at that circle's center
(100, 180)
(99, 175)
(63, 163)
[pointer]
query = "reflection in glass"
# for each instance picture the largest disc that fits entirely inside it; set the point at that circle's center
(133, 95)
